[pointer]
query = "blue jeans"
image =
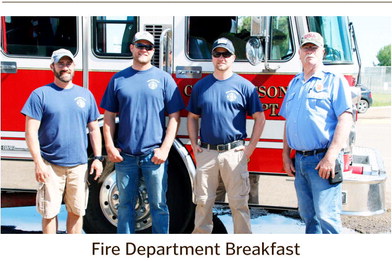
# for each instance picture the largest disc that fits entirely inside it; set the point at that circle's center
(319, 202)
(155, 179)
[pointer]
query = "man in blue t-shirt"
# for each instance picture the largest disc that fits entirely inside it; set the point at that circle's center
(56, 119)
(318, 113)
(222, 101)
(140, 95)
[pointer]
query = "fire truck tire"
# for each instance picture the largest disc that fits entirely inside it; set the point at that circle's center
(95, 221)
(101, 213)
(179, 194)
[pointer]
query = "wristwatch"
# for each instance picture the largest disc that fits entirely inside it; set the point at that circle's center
(100, 158)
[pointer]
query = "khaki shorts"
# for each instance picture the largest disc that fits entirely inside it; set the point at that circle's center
(69, 183)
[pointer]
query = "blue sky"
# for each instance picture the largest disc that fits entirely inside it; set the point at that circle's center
(373, 33)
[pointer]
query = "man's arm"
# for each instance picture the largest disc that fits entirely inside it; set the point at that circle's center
(258, 127)
(96, 144)
(327, 165)
(32, 126)
(288, 165)
(161, 153)
(193, 130)
(109, 127)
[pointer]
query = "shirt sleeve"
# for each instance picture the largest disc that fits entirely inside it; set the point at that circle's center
(173, 99)
(94, 113)
(288, 96)
(33, 107)
(342, 101)
(253, 103)
(193, 101)
(109, 100)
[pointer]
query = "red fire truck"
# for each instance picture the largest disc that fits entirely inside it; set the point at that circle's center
(267, 55)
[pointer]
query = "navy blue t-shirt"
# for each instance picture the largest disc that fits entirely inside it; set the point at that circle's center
(222, 106)
(64, 115)
(141, 98)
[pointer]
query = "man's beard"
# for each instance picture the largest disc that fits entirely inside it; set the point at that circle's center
(64, 76)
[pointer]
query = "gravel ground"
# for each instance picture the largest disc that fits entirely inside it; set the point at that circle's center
(377, 224)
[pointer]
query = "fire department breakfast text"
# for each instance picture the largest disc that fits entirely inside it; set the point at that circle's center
(228, 249)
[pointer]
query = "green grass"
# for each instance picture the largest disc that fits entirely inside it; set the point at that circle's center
(381, 99)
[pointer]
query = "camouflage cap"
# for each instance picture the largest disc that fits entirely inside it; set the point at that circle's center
(312, 37)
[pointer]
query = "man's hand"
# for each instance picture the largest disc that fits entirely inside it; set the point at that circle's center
(97, 167)
(326, 167)
(248, 151)
(196, 149)
(41, 172)
(160, 155)
(114, 154)
(288, 166)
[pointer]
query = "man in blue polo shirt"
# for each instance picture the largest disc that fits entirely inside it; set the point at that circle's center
(141, 94)
(318, 113)
(222, 101)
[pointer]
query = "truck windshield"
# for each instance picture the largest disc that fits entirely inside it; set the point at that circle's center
(204, 30)
(112, 35)
(335, 31)
(37, 36)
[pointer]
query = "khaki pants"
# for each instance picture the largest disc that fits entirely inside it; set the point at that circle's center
(233, 168)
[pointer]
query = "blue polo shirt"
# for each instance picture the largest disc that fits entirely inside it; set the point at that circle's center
(312, 108)
(64, 115)
(141, 98)
(223, 106)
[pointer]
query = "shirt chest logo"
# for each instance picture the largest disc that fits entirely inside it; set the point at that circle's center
(232, 96)
(319, 87)
(153, 84)
(80, 101)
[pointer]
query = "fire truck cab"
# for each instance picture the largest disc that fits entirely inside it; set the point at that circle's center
(267, 55)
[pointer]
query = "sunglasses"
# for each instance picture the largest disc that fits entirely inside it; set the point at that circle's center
(224, 54)
(141, 46)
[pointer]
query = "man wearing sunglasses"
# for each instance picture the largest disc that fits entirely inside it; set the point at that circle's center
(222, 101)
(140, 95)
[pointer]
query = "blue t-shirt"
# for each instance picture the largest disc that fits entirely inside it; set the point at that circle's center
(141, 98)
(312, 108)
(222, 106)
(64, 115)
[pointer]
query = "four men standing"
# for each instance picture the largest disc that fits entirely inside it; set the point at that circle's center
(317, 108)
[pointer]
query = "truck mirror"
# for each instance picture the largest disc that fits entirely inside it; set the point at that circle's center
(254, 51)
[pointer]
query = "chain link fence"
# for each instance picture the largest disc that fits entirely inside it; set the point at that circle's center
(377, 79)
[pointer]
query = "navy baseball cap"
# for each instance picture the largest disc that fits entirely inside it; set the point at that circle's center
(224, 43)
